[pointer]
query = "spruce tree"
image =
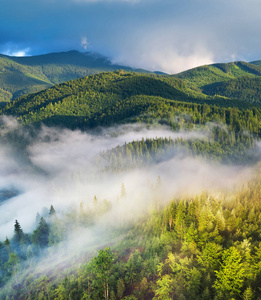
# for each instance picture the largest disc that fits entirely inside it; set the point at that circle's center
(52, 211)
(18, 233)
(52, 214)
(41, 234)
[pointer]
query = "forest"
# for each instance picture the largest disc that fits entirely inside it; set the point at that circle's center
(201, 247)
(23, 75)
(126, 185)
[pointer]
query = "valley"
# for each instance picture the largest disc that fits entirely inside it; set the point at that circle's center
(132, 185)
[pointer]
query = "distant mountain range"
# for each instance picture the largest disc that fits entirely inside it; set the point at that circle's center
(24, 75)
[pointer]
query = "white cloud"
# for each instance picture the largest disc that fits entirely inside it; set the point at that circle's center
(70, 173)
(18, 53)
(84, 42)
(170, 51)
(168, 61)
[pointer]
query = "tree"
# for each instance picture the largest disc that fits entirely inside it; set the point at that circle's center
(101, 268)
(41, 234)
(231, 275)
(164, 288)
(143, 287)
(4, 256)
(120, 288)
(56, 232)
(248, 294)
(186, 278)
(52, 212)
(42, 285)
(95, 201)
(18, 232)
(210, 256)
(13, 262)
(133, 267)
(123, 191)
(37, 219)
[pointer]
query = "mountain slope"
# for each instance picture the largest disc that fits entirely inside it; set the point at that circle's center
(209, 74)
(244, 88)
(90, 95)
(120, 97)
(24, 75)
(256, 62)
(150, 240)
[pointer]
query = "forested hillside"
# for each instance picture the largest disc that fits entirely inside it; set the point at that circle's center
(238, 80)
(243, 88)
(256, 62)
(24, 75)
(125, 185)
(201, 247)
(204, 75)
(119, 96)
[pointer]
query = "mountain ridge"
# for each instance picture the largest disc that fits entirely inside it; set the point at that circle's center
(24, 75)
(112, 97)
(21, 76)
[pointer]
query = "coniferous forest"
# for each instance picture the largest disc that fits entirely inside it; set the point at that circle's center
(125, 185)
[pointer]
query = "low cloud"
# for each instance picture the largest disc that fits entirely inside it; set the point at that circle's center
(59, 167)
(84, 43)
(165, 60)
(17, 52)
(173, 50)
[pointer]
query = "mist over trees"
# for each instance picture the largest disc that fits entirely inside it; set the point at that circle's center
(198, 247)
(133, 186)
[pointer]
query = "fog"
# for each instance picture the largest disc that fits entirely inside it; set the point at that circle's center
(58, 167)
(52, 166)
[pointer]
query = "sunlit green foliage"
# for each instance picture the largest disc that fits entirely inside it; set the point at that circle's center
(31, 74)
(117, 97)
(202, 247)
(242, 88)
(198, 77)
(197, 247)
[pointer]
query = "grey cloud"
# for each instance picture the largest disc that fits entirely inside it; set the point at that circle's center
(165, 35)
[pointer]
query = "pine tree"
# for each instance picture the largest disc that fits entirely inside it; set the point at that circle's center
(120, 288)
(52, 214)
(18, 233)
(41, 234)
(12, 264)
(52, 211)
(7, 242)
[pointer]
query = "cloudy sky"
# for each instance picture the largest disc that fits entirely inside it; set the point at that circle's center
(167, 35)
